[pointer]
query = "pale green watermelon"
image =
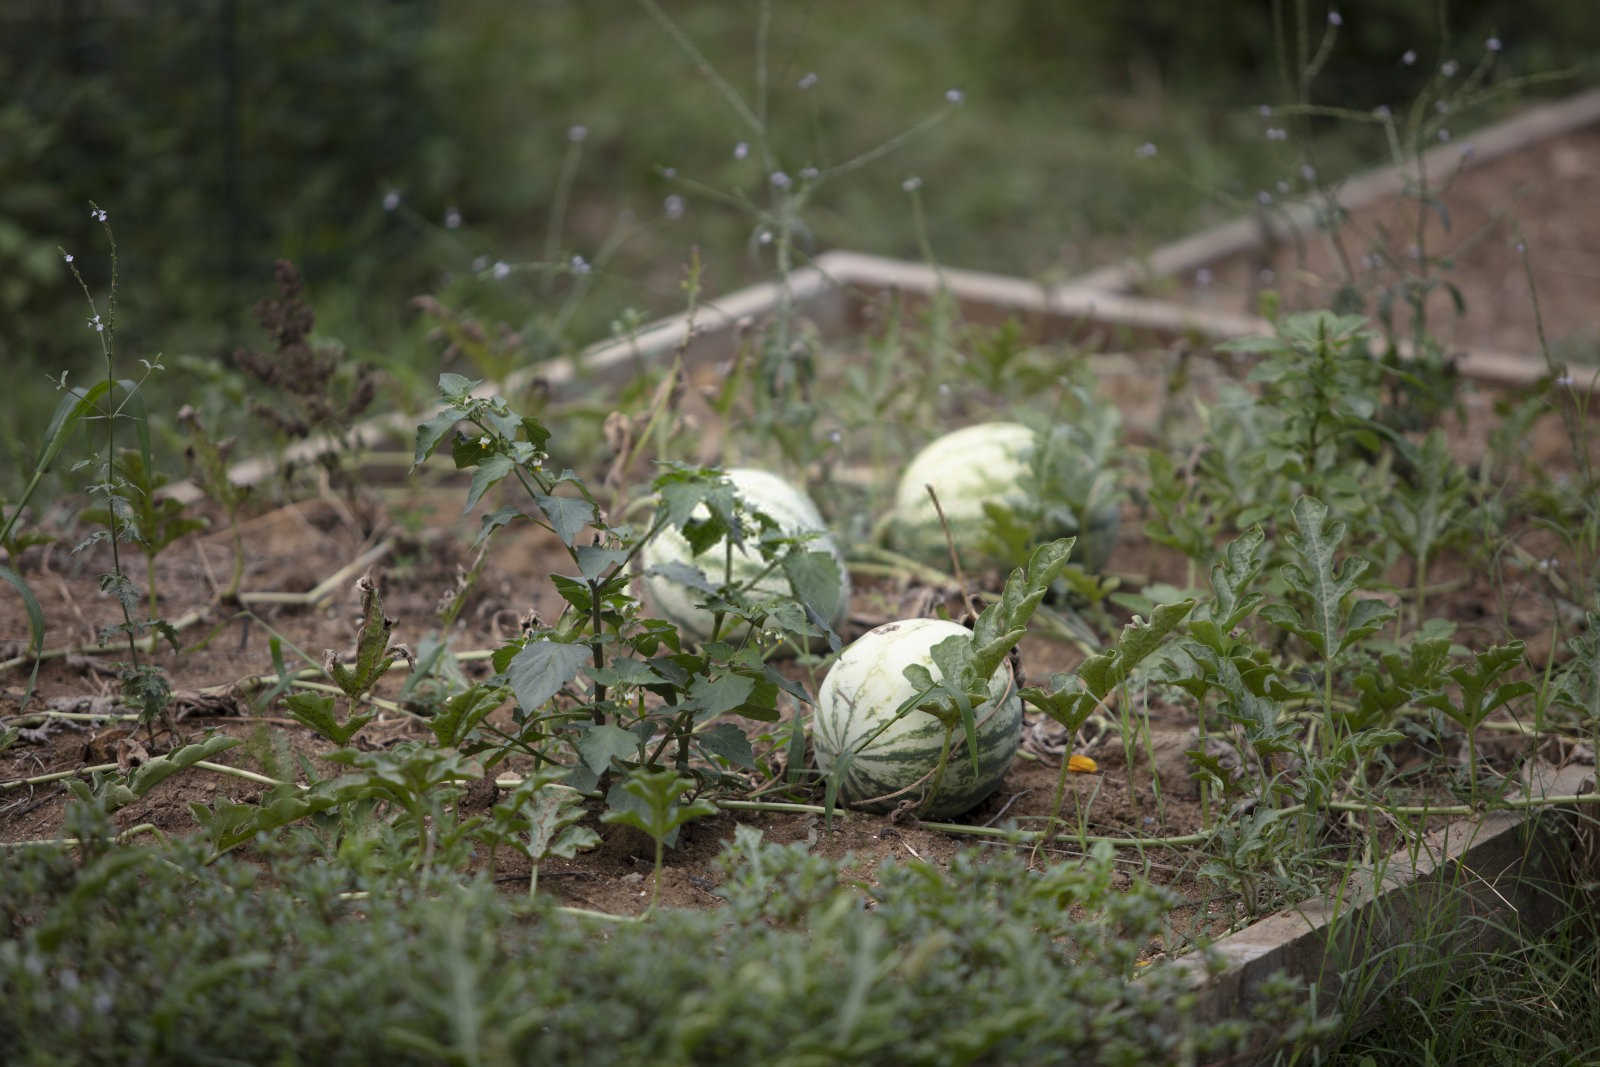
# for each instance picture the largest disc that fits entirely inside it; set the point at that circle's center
(860, 694)
(795, 514)
(986, 463)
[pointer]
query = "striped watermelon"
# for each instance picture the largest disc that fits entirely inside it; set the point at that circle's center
(859, 697)
(794, 512)
(983, 464)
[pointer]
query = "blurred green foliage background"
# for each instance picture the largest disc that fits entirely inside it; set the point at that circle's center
(222, 134)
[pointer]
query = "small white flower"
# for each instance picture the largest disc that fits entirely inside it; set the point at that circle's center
(1521, 247)
(1275, 133)
(484, 441)
(1146, 150)
(1449, 67)
(1564, 380)
(580, 265)
(1335, 19)
(1493, 44)
(67, 256)
(1444, 135)
(391, 200)
(741, 150)
(1265, 111)
(501, 268)
(480, 264)
(577, 133)
(1382, 111)
(452, 219)
(911, 184)
(809, 173)
(807, 81)
(944, 389)
(764, 237)
(1410, 57)
(1308, 172)
(1263, 198)
(1442, 107)
(1203, 277)
(98, 214)
(954, 96)
(835, 436)
(1283, 187)
(669, 172)
(96, 325)
(1413, 251)
(673, 206)
(779, 180)
(1468, 150)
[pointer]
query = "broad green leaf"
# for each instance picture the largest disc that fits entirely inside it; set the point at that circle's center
(431, 432)
(488, 473)
(814, 577)
(568, 515)
(725, 739)
(538, 672)
(716, 696)
(594, 561)
(602, 742)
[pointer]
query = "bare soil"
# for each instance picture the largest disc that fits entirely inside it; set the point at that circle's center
(1545, 198)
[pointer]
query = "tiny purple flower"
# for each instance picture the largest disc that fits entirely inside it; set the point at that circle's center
(1410, 57)
(1444, 135)
(67, 256)
(1335, 19)
(1277, 133)
(779, 180)
(1203, 277)
(501, 268)
(673, 206)
(1263, 198)
(954, 96)
(580, 265)
(1145, 151)
(1265, 111)
(1493, 44)
(1308, 172)
(452, 219)
(1382, 112)
(669, 172)
(808, 81)
(1449, 67)
(809, 174)
(577, 133)
(480, 264)
(391, 200)
(741, 150)
(98, 214)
